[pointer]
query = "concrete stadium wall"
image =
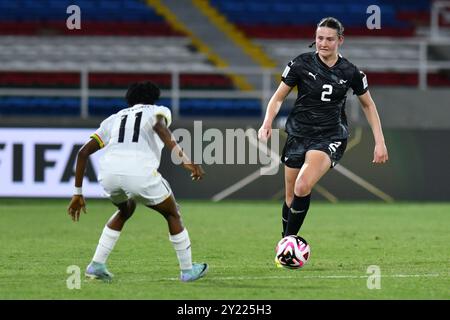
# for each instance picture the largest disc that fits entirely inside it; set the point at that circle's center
(407, 108)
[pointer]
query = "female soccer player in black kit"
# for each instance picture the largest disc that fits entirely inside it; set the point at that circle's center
(317, 126)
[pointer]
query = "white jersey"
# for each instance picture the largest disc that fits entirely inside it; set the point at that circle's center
(131, 146)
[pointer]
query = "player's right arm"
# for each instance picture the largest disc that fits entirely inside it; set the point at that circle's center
(166, 136)
(78, 203)
(98, 140)
(273, 108)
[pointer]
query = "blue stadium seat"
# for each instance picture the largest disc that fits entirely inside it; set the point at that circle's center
(351, 13)
(93, 10)
(106, 106)
(220, 107)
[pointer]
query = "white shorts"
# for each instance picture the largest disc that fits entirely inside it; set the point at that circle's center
(150, 190)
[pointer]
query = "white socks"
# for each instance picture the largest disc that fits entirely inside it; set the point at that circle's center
(181, 243)
(182, 246)
(106, 243)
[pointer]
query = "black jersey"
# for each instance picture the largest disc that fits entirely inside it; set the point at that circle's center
(319, 110)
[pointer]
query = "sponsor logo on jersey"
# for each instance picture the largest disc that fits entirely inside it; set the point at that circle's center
(333, 146)
(312, 75)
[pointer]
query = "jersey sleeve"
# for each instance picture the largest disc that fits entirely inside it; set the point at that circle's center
(165, 112)
(359, 82)
(103, 134)
(290, 74)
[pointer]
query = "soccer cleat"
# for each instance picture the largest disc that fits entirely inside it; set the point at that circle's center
(277, 263)
(198, 270)
(97, 270)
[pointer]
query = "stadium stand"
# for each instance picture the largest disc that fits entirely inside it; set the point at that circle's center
(100, 17)
(123, 41)
(294, 19)
(118, 40)
(103, 53)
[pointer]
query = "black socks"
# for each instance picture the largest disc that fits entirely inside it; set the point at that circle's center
(296, 215)
(284, 218)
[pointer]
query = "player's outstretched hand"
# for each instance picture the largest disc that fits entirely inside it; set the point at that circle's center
(380, 154)
(196, 170)
(76, 205)
(264, 133)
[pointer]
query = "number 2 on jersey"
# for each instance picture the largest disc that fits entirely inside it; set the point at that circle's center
(137, 125)
(328, 89)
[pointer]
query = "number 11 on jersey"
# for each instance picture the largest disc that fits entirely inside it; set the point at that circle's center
(137, 125)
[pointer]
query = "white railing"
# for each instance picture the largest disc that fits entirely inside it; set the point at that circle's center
(175, 93)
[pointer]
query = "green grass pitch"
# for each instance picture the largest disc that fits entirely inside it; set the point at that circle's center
(408, 242)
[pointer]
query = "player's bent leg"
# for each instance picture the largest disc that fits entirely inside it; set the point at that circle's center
(97, 268)
(290, 175)
(126, 210)
(169, 210)
(317, 163)
(111, 232)
(179, 237)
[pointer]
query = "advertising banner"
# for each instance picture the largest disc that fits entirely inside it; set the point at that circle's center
(40, 162)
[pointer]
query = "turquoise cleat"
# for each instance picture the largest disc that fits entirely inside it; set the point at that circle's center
(198, 270)
(97, 270)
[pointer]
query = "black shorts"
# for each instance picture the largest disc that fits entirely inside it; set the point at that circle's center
(295, 149)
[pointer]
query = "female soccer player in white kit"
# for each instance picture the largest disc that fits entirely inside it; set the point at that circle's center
(128, 172)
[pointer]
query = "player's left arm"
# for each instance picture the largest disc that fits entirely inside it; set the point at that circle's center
(380, 154)
(78, 203)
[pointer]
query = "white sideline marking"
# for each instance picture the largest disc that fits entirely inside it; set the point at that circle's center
(300, 277)
(318, 277)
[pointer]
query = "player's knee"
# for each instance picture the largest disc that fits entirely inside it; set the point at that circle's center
(302, 188)
(174, 214)
(171, 214)
(127, 210)
(131, 204)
